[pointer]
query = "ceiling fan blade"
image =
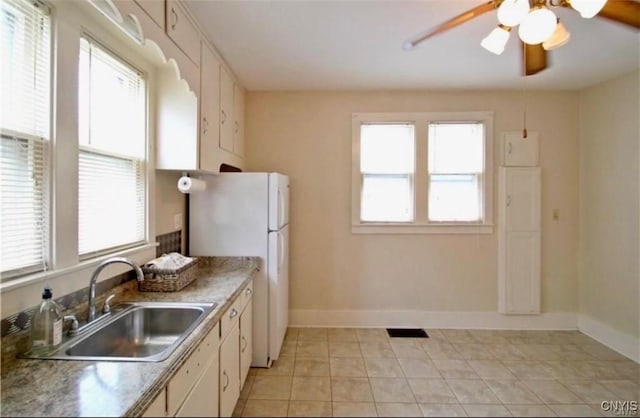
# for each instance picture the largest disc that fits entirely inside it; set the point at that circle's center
(622, 11)
(534, 58)
(452, 23)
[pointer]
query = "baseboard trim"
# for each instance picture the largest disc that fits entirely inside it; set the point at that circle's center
(623, 343)
(430, 319)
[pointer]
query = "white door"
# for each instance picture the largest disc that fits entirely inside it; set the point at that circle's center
(522, 199)
(278, 289)
(522, 287)
(278, 201)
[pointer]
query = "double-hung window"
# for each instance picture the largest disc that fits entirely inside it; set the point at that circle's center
(25, 73)
(422, 172)
(112, 155)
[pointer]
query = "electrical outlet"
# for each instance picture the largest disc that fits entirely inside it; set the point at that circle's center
(177, 221)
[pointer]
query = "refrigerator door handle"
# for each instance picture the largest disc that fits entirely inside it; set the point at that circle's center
(280, 251)
(281, 209)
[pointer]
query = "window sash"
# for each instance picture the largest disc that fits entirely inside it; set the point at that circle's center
(112, 156)
(386, 198)
(25, 53)
(455, 198)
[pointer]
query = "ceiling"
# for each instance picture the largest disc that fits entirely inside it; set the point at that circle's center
(356, 45)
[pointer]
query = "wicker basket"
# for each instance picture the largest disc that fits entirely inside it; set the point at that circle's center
(161, 280)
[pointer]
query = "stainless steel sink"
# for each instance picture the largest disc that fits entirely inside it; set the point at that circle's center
(138, 331)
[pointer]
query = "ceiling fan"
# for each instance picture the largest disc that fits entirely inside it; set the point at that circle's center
(539, 28)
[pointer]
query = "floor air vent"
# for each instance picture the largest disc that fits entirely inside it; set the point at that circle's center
(407, 333)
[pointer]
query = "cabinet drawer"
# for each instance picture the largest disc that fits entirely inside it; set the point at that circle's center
(181, 383)
(230, 318)
(247, 292)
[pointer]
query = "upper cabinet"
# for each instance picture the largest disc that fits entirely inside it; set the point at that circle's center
(209, 110)
(182, 31)
(155, 9)
(231, 115)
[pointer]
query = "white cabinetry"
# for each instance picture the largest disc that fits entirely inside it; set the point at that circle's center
(192, 391)
(182, 31)
(518, 151)
(238, 121)
(246, 334)
(519, 240)
(231, 115)
(155, 9)
(209, 110)
(230, 371)
(158, 407)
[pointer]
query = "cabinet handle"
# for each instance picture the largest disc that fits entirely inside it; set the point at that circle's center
(175, 19)
(509, 148)
(248, 292)
(237, 125)
(508, 200)
(226, 385)
(244, 340)
(223, 119)
(233, 313)
(205, 125)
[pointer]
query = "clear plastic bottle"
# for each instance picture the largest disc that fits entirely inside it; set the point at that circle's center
(46, 324)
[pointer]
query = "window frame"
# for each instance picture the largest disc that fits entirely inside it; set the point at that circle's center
(421, 224)
(66, 269)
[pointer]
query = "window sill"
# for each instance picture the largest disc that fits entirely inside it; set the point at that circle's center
(35, 278)
(417, 228)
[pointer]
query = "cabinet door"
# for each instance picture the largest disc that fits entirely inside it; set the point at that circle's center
(229, 372)
(158, 407)
(202, 401)
(522, 287)
(519, 151)
(209, 110)
(522, 188)
(226, 110)
(182, 31)
(155, 9)
(238, 117)
(246, 341)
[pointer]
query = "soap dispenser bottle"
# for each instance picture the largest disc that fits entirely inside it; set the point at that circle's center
(46, 325)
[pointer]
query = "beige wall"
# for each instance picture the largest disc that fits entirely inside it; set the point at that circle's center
(169, 201)
(609, 204)
(308, 136)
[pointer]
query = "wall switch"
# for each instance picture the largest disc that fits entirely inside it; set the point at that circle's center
(177, 221)
(556, 214)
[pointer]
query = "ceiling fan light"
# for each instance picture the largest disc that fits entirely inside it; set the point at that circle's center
(538, 26)
(588, 8)
(560, 37)
(496, 40)
(512, 12)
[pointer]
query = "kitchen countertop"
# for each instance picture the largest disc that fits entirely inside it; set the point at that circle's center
(108, 388)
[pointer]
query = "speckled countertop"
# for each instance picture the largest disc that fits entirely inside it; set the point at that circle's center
(102, 388)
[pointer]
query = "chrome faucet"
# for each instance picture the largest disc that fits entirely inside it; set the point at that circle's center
(94, 278)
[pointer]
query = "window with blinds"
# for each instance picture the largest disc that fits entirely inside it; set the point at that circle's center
(387, 166)
(456, 165)
(112, 156)
(25, 51)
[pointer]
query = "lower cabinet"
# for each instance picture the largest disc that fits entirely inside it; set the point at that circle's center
(208, 383)
(230, 371)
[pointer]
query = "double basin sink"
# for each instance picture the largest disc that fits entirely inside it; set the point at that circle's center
(134, 331)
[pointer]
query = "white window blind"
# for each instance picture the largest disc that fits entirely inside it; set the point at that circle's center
(112, 157)
(25, 73)
(456, 165)
(387, 164)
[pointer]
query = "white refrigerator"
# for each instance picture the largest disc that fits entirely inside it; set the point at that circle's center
(247, 214)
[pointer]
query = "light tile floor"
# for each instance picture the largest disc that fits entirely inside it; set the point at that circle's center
(362, 372)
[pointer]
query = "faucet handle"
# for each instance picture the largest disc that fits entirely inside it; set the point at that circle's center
(106, 308)
(73, 329)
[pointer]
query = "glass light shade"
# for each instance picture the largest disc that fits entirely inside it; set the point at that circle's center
(496, 40)
(512, 12)
(538, 26)
(588, 8)
(560, 37)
